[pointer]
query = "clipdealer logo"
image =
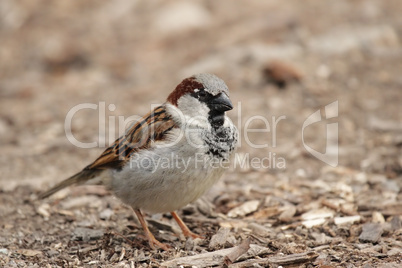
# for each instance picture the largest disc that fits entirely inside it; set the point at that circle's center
(330, 156)
(269, 161)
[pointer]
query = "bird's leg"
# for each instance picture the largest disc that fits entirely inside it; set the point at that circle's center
(151, 239)
(184, 227)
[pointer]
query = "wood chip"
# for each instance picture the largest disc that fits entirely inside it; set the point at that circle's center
(294, 258)
(394, 251)
(254, 251)
(160, 225)
(345, 220)
(123, 252)
(237, 252)
(233, 224)
(251, 263)
(43, 210)
(86, 234)
(86, 250)
(205, 259)
(317, 214)
(205, 207)
(258, 229)
(106, 214)
(312, 223)
(396, 223)
(266, 213)
(377, 217)
(244, 209)
(337, 207)
(392, 209)
(219, 239)
(287, 214)
(29, 252)
(371, 232)
(66, 212)
(316, 217)
(389, 209)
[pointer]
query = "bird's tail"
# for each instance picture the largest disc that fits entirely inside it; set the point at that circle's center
(79, 178)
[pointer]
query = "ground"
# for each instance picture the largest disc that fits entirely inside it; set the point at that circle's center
(296, 195)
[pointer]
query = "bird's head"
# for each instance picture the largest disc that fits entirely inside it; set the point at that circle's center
(202, 95)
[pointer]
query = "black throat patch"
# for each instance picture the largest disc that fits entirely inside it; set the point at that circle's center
(216, 119)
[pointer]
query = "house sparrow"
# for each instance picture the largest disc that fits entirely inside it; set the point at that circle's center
(171, 156)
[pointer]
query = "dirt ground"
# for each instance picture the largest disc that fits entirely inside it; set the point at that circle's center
(278, 205)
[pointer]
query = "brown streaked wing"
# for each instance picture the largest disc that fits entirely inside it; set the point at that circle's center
(152, 127)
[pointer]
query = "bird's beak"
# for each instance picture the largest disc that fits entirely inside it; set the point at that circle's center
(221, 103)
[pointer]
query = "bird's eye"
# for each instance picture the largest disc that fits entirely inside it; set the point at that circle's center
(202, 93)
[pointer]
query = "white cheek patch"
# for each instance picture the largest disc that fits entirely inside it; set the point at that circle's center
(195, 112)
(192, 107)
(196, 90)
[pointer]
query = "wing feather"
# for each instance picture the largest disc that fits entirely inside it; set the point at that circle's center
(152, 127)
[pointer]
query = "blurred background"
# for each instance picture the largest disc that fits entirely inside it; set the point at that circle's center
(279, 58)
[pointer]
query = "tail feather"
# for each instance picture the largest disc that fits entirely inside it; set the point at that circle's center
(79, 178)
